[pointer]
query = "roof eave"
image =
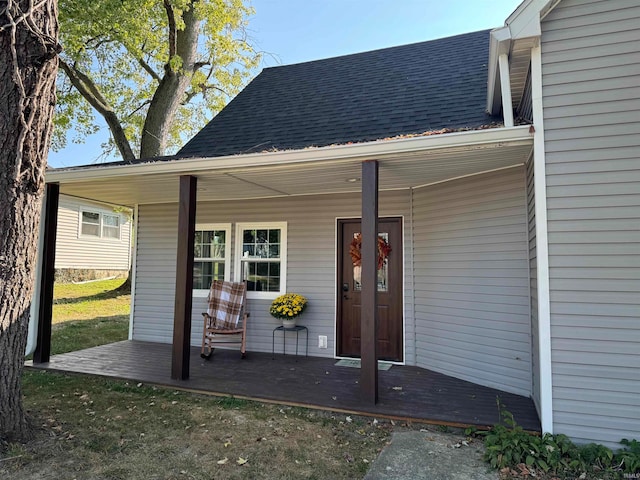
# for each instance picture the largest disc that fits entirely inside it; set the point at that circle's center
(363, 151)
(524, 22)
(500, 43)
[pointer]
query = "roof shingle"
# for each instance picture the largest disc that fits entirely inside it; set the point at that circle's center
(367, 96)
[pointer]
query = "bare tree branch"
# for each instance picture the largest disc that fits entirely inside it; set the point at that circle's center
(173, 30)
(89, 90)
(149, 70)
(144, 104)
(201, 89)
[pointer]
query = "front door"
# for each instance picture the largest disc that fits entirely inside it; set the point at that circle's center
(389, 291)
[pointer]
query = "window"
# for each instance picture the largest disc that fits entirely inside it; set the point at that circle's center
(90, 224)
(261, 258)
(111, 226)
(210, 256)
(100, 225)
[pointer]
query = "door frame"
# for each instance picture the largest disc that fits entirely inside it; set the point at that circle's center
(336, 292)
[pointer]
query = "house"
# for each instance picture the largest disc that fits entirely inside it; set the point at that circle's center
(93, 240)
(500, 167)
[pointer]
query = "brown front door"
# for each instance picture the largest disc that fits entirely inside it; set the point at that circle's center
(389, 292)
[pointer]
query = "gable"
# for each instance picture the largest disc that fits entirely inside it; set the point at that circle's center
(403, 90)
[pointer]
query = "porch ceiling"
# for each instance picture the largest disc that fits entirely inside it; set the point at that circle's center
(403, 168)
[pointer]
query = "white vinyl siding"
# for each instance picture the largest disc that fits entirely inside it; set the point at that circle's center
(591, 98)
(92, 252)
(311, 265)
(472, 280)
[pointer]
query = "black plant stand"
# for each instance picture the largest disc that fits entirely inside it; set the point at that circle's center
(284, 330)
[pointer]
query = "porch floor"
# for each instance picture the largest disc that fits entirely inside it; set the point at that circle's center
(405, 392)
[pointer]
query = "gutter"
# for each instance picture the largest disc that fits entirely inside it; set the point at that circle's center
(360, 151)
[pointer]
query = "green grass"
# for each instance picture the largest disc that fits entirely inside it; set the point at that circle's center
(90, 300)
(91, 427)
(95, 428)
(88, 314)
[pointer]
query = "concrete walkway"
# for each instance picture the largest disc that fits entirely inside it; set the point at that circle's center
(430, 455)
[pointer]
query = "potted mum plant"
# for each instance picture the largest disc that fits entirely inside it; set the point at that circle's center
(288, 308)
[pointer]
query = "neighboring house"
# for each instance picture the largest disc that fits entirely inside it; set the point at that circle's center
(515, 258)
(93, 239)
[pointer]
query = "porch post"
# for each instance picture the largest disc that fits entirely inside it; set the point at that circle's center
(45, 311)
(368, 309)
(184, 279)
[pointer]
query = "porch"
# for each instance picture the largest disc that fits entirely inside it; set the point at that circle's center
(405, 392)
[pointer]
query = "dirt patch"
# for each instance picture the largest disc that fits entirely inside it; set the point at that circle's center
(429, 454)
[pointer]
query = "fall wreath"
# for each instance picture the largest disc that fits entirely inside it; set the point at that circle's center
(356, 254)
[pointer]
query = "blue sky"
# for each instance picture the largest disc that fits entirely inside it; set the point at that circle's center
(293, 31)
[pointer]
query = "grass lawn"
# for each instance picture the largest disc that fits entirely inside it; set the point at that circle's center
(88, 314)
(96, 428)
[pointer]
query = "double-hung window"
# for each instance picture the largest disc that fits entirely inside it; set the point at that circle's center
(111, 226)
(99, 224)
(211, 251)
(261, 255)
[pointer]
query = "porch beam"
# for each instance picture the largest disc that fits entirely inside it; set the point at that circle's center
(47, 276)
(505, 83)
(184, 278)
(368, 309)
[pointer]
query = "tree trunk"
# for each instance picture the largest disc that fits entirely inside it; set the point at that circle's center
(171, 90)
(28, 66)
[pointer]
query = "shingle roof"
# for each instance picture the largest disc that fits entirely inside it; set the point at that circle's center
(366, 96)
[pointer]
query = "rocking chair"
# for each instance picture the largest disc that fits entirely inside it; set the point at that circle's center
(226, 316)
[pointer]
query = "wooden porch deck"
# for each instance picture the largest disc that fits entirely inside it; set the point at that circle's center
(424, 395)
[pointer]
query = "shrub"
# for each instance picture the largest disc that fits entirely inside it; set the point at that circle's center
(508, 445)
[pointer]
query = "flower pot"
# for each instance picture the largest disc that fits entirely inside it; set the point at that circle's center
(289, 322)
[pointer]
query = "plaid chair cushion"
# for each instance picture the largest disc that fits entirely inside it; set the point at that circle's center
(226, 301)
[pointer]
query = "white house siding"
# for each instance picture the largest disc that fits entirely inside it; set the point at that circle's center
(591, 99)
(74, 251)
(311, 265)
(472, 280)
(533, 285)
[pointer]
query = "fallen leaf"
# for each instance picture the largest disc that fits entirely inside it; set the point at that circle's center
(226, 444)
(223, 461)
(241, 461)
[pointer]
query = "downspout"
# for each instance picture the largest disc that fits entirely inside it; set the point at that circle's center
(542, 246)
(35, 300)
(134, 261)
(413, 279)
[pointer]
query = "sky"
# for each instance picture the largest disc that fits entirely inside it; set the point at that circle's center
(294, 31)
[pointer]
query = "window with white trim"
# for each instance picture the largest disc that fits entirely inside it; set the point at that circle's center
(111, 226)
(99, 224)
(210, 255)
(261, 252)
